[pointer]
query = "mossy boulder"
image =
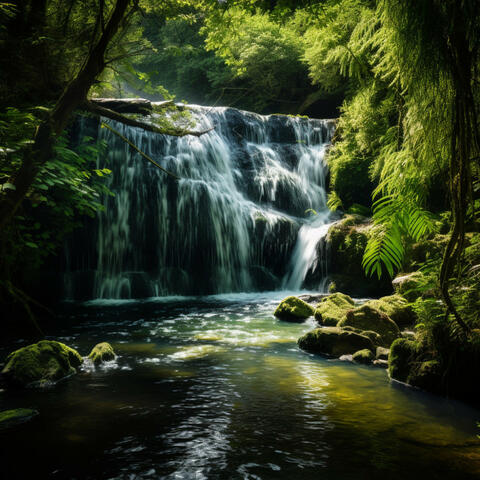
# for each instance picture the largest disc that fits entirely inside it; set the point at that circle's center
(396, 307)
(332, 309)
(382, 353)
(293, 309)
(334, 341)
(346, 242)
(11, 418)
(42, 362)
(373, 336)
(102, 352)
(368, 318)
(426, 375)
(407, 285)
(364, 356)
(403, 353)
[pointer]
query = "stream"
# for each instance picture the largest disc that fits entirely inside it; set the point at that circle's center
(216, 388)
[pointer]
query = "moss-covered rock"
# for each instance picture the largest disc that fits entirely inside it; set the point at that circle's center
(396, 307)
(364, 356)
(429, 249)
(426, 375)
(346, 242)
(407, 284)
(11, 418)
(368, 318)
(45, 361)
(332, 309)
(292, 309)
(402, 355)
(382, 353)
(334, 341)
(102, 352)
(373, 336)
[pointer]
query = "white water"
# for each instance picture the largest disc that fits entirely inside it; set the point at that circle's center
(236, 221)
(309, 254)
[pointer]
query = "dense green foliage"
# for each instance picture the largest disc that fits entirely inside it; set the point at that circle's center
(406, 146)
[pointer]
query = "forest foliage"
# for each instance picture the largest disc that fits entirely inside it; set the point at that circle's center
(404, 76)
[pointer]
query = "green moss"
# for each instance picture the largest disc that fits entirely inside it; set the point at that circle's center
(10, 418)
(396, 307)
(408, 285)
(334, 341)
(426, 375)
(293, 309)
(358, 209)
(363, 356)
(41, 362)
(102, 352)
(333, 308)
(382, 353)
(367, 318)
(346, 241)
(401, 359)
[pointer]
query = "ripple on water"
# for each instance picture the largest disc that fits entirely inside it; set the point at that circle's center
(220, 390)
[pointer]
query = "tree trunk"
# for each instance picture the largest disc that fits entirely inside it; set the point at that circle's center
(74, 95)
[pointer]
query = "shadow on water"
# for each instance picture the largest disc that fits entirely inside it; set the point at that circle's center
(214, 388)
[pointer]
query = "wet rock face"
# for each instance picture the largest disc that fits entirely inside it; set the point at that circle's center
(368, 318)
(292, 309)
(334, 342)
(40, 363)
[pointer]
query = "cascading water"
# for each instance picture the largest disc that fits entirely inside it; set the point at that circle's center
(230, 224)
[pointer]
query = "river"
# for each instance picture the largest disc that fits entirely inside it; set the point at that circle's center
(216, 388)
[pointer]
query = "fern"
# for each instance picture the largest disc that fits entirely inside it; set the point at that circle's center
(383, 249)
(397, 222)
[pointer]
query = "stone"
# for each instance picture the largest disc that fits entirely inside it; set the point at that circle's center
(382, 353)
(346, 241)
(41, 363)
(368, 318)
(102, 352)
(427, 376)
(373, 336)
(406, 284)
(396, 307)
(402, 354)
(332, 309)
(12, 418)
(364, 356)
(334, 341)
(380, 363)
(292, 309)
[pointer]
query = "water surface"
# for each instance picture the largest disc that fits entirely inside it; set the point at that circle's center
(216, 388)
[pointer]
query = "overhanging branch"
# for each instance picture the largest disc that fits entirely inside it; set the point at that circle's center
(143, 154)
(106, 112)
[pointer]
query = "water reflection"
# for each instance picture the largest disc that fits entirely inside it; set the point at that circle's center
(214, 389)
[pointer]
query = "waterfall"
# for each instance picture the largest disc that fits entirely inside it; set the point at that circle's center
(236, 221)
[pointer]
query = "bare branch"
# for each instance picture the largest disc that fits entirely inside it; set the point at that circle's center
(143, 154)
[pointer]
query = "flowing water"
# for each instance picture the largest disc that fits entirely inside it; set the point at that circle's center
(236, 221)
(216, 388)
